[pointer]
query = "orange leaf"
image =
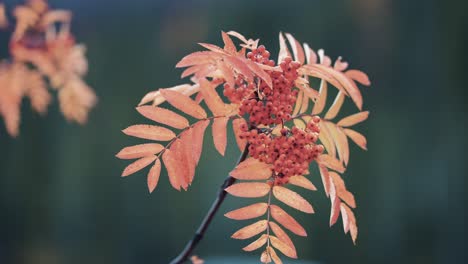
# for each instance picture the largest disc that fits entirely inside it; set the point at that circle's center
(299, 99)
(341, 190)
(138, 165)
(336, 78)
(227, 72)
(283, 52)
(184, 103)
(211, 97)
(273, 255)
(180, 163)
(257, 70)
(324, 174)
(187, 142)
(303, 182)
(335, 205)
(287, 220)
(251, 230)
(139, 151)
(353, 119)
(211, 47)
(220, 134)
(251, 169)
(327, 140)
(283, 247)
(257, 243)
(236, 127)
(248, 212)
(153, 176)
(266, 256)
(340, 140)
(198, 135)
(358, 76)
(357, 137)
(331, 163)
(249, 189)
(199, 57)
(292, 199)
(240, 66)
(296, 48)
(322, 98)
(281, 234)
(171, 166)
(345, 218)
(310, 54)
(150, 132)
(163, 116)
(352, 224)
(336, 106)
(228, 44)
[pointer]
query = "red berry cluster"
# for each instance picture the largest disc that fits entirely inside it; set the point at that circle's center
(290, 153)
(266, 105)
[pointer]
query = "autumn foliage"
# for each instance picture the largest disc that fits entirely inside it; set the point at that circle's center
(277, 117)
(43, 54)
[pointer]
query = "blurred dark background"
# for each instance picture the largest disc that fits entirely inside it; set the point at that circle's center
(61, 196)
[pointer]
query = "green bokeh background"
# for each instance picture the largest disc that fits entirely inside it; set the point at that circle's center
(61, 197)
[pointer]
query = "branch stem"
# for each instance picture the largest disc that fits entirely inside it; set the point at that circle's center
(192, 244)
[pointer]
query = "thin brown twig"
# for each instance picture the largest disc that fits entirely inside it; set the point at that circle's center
(192, 244)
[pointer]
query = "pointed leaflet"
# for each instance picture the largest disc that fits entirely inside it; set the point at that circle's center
(236, 127)
(187, 141)
(180, 163)
(171, 164)
(199, 57)
(281, 234)
(183, 103)
(153, 175)
(257, 70)
(353, 119)
(357, 137)
(228, 44)
(248, 189)
(303, 182)
(219, 134)
(330, 162)
(336, 106)
(292, 199)
(297, 107)
(240, 66)
(198, 135)
(287, 220)
(227, 73)
(358, 76)
(139, 151)
(163, 116)
(296, 48)
(322, 98)
(211, 97)
(251, 230)
(212, 47)
(274, 256)
(324, 174)
(336, 78)
(251, 169)
(283, 247)
(327, 140)
(335, 205)
(266, 255)
(150, 132)
(138, 165)
(352, 223)
(345, 218)
(340, 141)
(283, 52)
(310, 54)
(257, 243)
(248, 212)
(341, 190)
